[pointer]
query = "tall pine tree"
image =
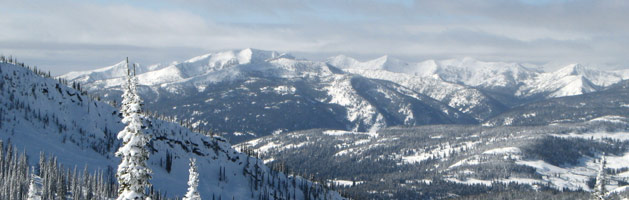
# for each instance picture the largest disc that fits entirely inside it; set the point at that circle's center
(127, 94)
(133, 174)
(32, 193)
(193, 182)
(599, 188)
(32, 188)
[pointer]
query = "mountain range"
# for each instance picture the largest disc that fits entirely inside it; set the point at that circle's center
(249, 93)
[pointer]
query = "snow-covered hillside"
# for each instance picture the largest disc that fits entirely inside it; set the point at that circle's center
(40, 114)
(446, 161)
(503, 93)
(250, 93)
(466, 99)
(574, 79)
(614, 100)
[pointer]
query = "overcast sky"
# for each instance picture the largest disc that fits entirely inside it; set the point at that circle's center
(65, 35)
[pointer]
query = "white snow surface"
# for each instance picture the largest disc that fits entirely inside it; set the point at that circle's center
(623, 136)
(473, 181)
(611, 118)
(345, 183)
(503, 150)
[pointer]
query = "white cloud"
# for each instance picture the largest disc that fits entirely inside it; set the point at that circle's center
(79, 34)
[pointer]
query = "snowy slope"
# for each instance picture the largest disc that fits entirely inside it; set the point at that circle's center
(39, 114)
(250, 93)
(387, 63)
(465, 99)
(115, 71)
(574, 79)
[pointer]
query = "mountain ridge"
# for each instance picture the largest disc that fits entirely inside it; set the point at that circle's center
(477, 89)
(274, 81)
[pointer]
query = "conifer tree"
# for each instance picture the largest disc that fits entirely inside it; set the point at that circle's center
(32, 193)
(193, 182)
(32, 188)
(599, 188)
(127, 94)
(133, 174)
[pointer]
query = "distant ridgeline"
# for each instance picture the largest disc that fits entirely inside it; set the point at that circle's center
(41, 116)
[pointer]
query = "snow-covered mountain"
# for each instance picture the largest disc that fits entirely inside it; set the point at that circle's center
(466, 71)
(574, 79)
(468, 100)
(40, 114)
(172, 73)
(614, 100)
(250, 93)
(387, 63)
(509, 83)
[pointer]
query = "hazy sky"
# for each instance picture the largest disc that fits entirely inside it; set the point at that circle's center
(66, 35)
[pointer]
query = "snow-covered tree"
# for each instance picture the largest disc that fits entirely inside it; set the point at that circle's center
(127, 94)
(193, 182)
(133, 85)
(32, 191)
(32, 188)
(599, 187)
(133, 174)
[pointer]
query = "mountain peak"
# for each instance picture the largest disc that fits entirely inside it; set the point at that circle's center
(250, 55)
(575, 85)
(388, 63)
(573, 70)
(464, 62)
(385, 62)
(243, 56)
(112, 71)
(343, 61)
(468, 59)
(383, 58)
(378, 63)
(596, 76)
